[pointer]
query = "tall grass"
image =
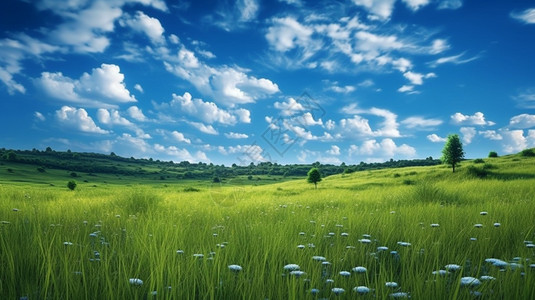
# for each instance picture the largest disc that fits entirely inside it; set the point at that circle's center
(87, 244)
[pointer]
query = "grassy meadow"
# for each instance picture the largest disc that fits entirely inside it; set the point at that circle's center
(419, 232)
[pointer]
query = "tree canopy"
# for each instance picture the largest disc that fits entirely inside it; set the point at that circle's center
(453, 153)
(314, 176)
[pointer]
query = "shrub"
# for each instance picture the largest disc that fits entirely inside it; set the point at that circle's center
(71, 185)
(191, 189)
(493, 154)
(528, 153)
(479, 161)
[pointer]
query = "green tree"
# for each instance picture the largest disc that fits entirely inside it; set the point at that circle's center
(71, 185)
(314, 176)
(493, 154)
(453, 153)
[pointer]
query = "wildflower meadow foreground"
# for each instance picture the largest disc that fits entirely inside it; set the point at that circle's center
(420, 233)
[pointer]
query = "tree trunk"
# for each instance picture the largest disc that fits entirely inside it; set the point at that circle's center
(453, 168)
(315, 185)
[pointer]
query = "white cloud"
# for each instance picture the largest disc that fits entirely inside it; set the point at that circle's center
(136, 113)
(138, 87)
(416, 4)
(417, 78)
(180, 137)
(435, 138)
(491, 135)
(252, 153)
(228, 86)
(360, 126)
(526, 98)
(85, 30)
(381, 9)
(12, 85)
(468, 134)
(454, 59)
(286, 34)
(522, 121)
(208, 129)
(39, 116)
(150, 26)
(330, 125)
(407, 89)
(177, 154)
(308, 120)
(289, 108)
(527, 16)
(450, 4)
(78, 119)
(346, 89)
(515, 141)
(421, 123)
(335, 150)
(103, 87)
(439, 46)
(477, 119)
(243, 115)
(234, 135)
(387, 148)
(230, 16)
(112, 118)
(208, 112)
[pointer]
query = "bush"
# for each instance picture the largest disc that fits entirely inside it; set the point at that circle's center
(528, 153)
(493, 154)
(71, 185)
(191, 189)
(479, 161)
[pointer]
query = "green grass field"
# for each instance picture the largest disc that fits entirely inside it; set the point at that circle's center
(136, 240)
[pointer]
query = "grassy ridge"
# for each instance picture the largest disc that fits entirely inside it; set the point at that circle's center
(124, 232)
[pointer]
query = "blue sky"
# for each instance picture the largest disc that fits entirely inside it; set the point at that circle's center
(287, 81)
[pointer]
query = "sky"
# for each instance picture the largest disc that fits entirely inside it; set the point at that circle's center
(285, 81)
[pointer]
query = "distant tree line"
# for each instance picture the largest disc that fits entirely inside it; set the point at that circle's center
(96, 163)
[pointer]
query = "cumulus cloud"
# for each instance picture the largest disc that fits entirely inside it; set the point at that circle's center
(522, 121)
(176, 154)
(112, 118)
(360, 126)
(476, 119)
(234, 135)
(208, 112)
(79, 119)
(526, 16)
(208, 129)
(515, 141)
(234, 15)
(491, 135)
(335, 150)
(178, 136)
(289, 108)
(420, 123)
(417, 78)
(386, 148)
(103, 87)
(435, 138)
(468, 134)
(149, 26)
(136, 113)
(228, 86)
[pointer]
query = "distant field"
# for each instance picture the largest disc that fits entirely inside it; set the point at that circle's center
(422, 232)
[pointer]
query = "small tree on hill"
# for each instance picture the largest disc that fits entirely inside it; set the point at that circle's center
(314, 176)
(453, 153)
(71, 185)
(493, 154)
